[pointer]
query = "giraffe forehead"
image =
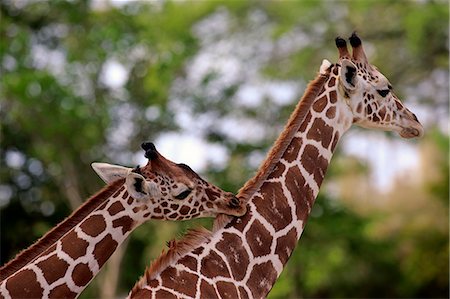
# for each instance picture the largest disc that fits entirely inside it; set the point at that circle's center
(373, 76)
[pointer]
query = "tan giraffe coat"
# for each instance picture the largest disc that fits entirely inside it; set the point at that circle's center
(243, 258)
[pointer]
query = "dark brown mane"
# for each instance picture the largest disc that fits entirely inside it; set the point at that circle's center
(194, 238)
(29, 254)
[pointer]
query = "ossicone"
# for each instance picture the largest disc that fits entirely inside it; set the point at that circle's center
(150, 150)
(355, 41)
(341, 44)
(358, 50)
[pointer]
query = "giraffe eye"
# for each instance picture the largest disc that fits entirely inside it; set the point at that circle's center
(383, 92)
(184, 194)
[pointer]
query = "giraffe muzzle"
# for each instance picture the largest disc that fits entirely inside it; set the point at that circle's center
(234, 202)
(235, 206)
(411, 127)
(411, 133)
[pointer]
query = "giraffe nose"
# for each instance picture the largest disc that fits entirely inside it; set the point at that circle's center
(234, 202)
(234, 206)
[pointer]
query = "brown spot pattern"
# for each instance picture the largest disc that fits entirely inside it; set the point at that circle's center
(285, 245)
(93, 226)
(300, 191)
(314, 163)
(320, 104)
(277, 171)
(81, 274)
(180, 281)
(213, 195)
(207, 290)
(142, 293)
(331, 112)
(174, 215)
(226, 290)
(214, 264)
(274, 207)
(305, 122)
(261, 279)
(359, 108)
(332, 82)
(152, 283)
(18, 289)
(320, 132)
(184, 210)
(104, 249)
(232, 248)
(62, 291)
(335, 141)
(240, 223)
(125, 222)
(291, 152)
(333, 96)
(198, 250)
(259, 239)
(74, 246)
(189, 262)
(382, 112)
(388, 117)
(115, 208)
(53, 268)
(243, 293)
(164, 295)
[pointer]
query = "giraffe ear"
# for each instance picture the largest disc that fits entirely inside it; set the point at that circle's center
(109, 172)
(348, 74)
(141, 189)
(324, 66)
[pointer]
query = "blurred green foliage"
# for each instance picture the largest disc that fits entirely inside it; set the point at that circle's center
(59, 114)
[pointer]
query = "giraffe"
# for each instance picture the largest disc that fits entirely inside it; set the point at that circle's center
(243, 256)
(66, 259)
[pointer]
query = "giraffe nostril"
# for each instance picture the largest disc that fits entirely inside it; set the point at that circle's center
(234, 202)
(415, 117)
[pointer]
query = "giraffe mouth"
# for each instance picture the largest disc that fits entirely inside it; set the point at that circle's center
(235, 206)
(411, 132)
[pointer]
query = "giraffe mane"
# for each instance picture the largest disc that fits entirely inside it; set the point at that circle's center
(177, 249)
(29, 254)
(194, 238)
(293, 124)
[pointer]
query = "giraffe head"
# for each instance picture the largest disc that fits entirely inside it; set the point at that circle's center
(369, 94)
(172, 191)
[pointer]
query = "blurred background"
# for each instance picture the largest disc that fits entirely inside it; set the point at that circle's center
(212, 84)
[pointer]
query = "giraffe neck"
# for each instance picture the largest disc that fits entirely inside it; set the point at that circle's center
(245, 258)
(64, 267)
